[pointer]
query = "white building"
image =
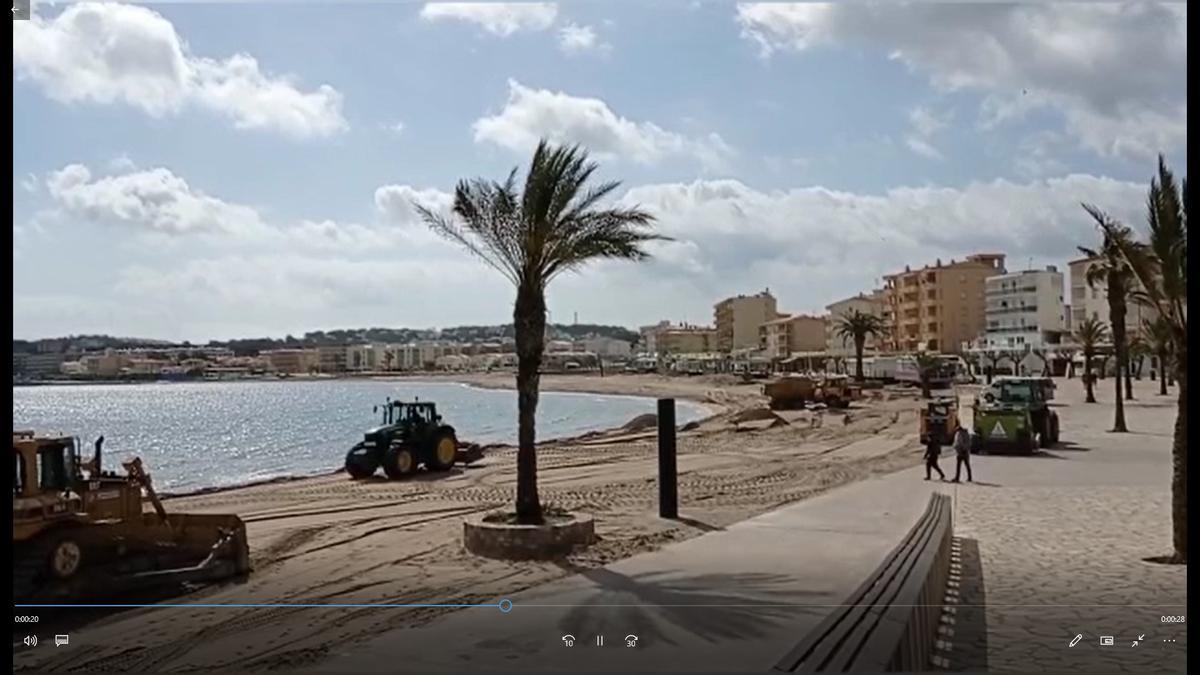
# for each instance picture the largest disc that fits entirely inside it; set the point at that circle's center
(1091, 302)
(836, 344)
(1024, 310)
(607, 347)
(649, 340)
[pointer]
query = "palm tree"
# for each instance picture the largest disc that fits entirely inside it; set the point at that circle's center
(553, 224)
(927, 363)
(388, 357)
(1109, 267)
(1161, 269)
(857, 326)
(1090, 333)
(1158, 339)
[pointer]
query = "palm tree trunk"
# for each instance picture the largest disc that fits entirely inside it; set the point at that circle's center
(1087, 379)
(858, 357)
(1162, 373)
(529, 325)
(1179, 473)
(1117, 309)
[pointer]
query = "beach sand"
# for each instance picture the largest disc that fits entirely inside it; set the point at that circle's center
(331, 539)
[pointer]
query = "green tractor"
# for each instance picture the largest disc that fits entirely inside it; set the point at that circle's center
(411, 435)
(1014, 414)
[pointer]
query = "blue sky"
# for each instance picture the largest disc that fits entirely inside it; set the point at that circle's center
(222, 169)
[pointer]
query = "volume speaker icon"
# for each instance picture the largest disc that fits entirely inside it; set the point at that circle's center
(30, 640)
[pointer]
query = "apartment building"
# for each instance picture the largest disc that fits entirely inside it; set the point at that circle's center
(779, 338)
(938, 308)
(1091, 302)
(648, 342)
(1024, 310)
(738, 319)
(291, 361)
(866, 303)
(685, 339)
(43, 364)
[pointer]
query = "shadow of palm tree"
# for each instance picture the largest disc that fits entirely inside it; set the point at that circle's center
(713, 607)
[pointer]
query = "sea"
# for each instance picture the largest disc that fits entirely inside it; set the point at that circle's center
(197, 435)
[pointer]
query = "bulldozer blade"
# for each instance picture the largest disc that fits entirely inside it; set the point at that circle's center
(469, 454)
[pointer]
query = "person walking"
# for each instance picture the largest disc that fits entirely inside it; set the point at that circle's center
(962, 453)
(933, 450)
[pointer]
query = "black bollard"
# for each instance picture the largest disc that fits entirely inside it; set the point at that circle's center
(668, 488)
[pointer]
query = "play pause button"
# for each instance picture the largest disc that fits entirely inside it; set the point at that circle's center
(599, 640)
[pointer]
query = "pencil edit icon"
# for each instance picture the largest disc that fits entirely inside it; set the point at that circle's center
(1075, 640)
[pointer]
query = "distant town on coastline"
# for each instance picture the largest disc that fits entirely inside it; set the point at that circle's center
(972, 309)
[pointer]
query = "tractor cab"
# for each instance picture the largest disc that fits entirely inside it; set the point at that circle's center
(1016, 391)
(46, 464)
(401, 412)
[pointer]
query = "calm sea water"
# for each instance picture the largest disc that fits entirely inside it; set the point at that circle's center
(210, 434)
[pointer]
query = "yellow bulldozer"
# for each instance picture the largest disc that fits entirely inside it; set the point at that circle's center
(80, 531)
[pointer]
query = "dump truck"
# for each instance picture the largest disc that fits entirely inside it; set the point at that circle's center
(939, 419)
(1014, 414)
(80, 531)
(412, 435)
(794, 392)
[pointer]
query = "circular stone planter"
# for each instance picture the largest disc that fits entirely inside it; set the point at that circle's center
(553, 539)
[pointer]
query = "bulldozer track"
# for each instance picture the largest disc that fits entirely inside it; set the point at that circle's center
(331, 510)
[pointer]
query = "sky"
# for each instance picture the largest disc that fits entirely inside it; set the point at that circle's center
(240, 169)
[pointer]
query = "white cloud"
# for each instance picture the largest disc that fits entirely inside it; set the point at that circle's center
(814, 245)
(1116, 73)
(158, 203)
(498, 18)
(112, 53)
(395, 204)
(576, 39)
(395, 128)
(531, 114)
(155, 200)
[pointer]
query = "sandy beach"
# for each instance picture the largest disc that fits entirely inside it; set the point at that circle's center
(329, 538)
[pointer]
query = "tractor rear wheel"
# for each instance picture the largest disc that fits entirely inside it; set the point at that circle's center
(1026, 442)
(399, 461)
(443, 450)
(1045, 440)
(1054, 429)
(361, 462)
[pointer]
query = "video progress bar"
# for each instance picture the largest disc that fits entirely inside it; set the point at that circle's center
(505, 605)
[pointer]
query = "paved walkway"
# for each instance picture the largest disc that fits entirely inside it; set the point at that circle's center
(732, 600)
(1053, 546)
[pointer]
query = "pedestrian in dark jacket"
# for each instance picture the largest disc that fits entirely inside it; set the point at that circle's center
(962, 453)
(933, 450)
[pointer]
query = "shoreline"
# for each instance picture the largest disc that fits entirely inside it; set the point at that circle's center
(709, 411)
